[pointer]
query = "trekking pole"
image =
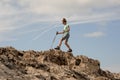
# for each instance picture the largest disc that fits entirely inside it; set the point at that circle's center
(53, 41)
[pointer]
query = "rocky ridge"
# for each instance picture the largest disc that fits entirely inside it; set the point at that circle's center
(50, 65)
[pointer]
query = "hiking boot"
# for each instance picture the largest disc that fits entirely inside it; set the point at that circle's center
(57, 48)
(70, 50)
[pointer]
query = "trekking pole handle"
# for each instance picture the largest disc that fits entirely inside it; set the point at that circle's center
(57, 33)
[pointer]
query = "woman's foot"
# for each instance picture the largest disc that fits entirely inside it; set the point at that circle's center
(70, 50)
(57, 48)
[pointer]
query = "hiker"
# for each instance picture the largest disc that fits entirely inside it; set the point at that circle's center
(65, 37)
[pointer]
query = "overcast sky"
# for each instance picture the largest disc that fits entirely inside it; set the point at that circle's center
(95, 27)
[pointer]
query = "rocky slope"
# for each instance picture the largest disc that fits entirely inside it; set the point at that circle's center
(50, 65)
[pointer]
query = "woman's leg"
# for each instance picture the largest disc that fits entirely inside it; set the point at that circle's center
(66, 43)
(60, 43)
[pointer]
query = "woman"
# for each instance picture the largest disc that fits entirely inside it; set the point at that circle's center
(65, 37)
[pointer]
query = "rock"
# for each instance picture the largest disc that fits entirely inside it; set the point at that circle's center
(87, 65)
(50, 65)
(101, 78)
(116, 75)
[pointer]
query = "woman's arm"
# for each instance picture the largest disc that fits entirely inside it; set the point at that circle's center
(60, 32)
(68, 29)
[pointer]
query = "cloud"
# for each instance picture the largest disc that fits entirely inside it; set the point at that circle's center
(19, 14)
(105, 17)
(72, 7)
(57, 8)
(95, 34)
